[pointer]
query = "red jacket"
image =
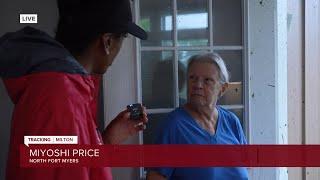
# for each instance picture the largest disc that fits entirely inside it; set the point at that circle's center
(53, 95)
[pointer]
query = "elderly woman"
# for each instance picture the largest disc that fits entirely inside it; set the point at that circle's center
(202, 121)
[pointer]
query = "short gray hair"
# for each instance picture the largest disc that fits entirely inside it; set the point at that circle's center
(212, 58)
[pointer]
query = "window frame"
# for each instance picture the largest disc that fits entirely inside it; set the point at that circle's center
(210, 47)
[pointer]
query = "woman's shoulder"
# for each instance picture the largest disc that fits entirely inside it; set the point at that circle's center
(177, 113)
(229, 116)
(168, 126)
(231, 121)
(174, 117)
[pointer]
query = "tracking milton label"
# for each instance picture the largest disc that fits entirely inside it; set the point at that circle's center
(50, 140)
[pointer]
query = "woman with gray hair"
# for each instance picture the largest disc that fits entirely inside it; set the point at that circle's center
(202, 121)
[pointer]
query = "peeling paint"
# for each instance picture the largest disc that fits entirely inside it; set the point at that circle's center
(271, 85)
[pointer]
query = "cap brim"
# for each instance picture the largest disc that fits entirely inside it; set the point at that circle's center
(137, 31)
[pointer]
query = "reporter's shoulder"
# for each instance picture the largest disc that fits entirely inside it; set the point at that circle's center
(56, 85)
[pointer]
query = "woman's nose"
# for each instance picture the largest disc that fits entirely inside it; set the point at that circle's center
(198, 84)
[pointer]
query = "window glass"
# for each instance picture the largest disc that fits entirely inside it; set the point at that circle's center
(227, 22)
(156, 21)
(192, 23)
(157, 79)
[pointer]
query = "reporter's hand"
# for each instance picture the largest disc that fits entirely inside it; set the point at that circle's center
(122, 127)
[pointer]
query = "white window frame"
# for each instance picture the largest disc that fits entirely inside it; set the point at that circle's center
(265, 95)
(267, 57)
(175, 48)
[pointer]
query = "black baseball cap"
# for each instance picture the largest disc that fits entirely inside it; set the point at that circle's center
(109, 16)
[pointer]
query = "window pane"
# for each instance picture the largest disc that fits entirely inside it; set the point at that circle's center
(227, 22)
(183, 64)
(234, 93)
(149, 134)
(233, 60)
(192, 23)
(157, 79)
(157, 22)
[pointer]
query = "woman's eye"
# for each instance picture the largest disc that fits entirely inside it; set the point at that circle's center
(208, 80)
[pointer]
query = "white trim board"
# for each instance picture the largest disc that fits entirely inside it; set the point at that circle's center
(267, 37)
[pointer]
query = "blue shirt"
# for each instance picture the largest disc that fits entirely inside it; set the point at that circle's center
(181, 128)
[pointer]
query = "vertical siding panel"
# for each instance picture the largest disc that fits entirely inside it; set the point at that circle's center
(312, 79)
(295, 78)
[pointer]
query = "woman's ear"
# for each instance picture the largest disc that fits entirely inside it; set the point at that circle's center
(223, 89)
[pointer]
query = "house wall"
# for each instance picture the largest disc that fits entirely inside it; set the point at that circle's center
(295, 79)
(120, 90)
(303, 79)
(312, 79)
(267, 58)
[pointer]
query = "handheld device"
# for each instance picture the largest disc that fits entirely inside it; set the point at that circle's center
(135, 111)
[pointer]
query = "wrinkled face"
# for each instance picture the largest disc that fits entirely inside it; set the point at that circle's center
(204, 87)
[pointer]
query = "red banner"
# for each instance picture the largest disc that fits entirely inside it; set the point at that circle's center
(170, 155)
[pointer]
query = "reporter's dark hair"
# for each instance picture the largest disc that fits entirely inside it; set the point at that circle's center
(72, 32)
(76, 36)
(82, 21)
